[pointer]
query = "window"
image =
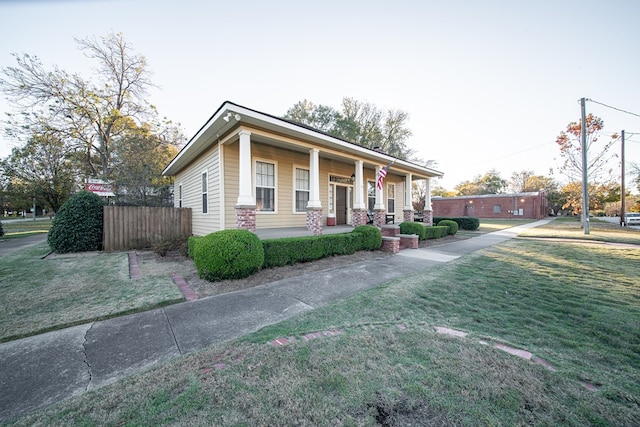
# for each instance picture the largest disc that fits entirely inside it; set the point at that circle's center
(391, 198)
(302, 189)
(497, 209)
(205, 203)
(180, 195)
(265, 186)
(371, 195)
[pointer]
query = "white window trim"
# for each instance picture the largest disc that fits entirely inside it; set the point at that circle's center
(202, 192)
(180, 195)
(275, 184)
(389, 185)
(308, 169)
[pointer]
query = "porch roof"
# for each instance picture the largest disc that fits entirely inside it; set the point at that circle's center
(229, 117)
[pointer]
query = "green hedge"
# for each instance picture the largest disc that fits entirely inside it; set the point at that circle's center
(293, 250)
(371, 237)
(413, 228)
(191, 244)
(228, 254)
(453, 226)
(436, 232)
(464, 222)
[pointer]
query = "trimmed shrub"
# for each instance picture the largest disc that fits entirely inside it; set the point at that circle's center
(228, 254)
(191, 245)
(436, 232)
(413, 228)
(371, 237)
(293, 250)
(453, 226)
(464, 222)
(77, 226)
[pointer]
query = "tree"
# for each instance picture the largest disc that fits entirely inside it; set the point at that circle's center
(489, 183)
(359, 122)
(140, 159)
(527, 181)
(599, 195)
(88, 116)
(598, 158)
(42, 169)
(635, 170)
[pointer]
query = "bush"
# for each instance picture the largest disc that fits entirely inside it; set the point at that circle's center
(436, 232)
(371, 237)
(453, 226)
(176, 244)
(293, 250)
(77, 226)
(413, 228)
(228, 254)
(191, 244)
(464, 222)
(1, 230)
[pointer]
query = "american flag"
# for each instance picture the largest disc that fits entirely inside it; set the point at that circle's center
(381, 174)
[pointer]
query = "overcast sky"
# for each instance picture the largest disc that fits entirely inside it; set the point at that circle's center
(487, 84)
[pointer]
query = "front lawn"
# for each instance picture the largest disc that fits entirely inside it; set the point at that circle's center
(39, 294)
(574, 305)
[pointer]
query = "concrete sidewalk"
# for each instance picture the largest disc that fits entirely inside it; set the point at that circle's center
(38, 371)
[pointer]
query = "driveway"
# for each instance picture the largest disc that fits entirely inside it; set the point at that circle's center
(9, 245)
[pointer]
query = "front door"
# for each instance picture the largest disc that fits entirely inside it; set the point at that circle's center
(341, 205)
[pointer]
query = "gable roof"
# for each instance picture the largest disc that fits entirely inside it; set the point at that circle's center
(217, 126)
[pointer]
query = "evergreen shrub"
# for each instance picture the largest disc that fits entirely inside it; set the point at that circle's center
(436, 232)
(228, 254)
(413, 228)
(77, 226)
(371, 237)
(293, 250)
(453, 226)
(464, 222)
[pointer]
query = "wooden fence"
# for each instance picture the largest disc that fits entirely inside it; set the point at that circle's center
(130, 227)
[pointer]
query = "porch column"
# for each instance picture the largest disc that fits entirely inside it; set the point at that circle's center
(359, 206)
(379, 218)
(246, 204)
(314, 206)
(428, 213)
(408, 206)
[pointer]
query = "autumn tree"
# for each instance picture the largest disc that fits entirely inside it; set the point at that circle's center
(527, 181)
(599, 195)
(598, 158)
(359, 122)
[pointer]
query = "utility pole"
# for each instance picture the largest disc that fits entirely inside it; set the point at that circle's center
(623, 198)
(585, 190)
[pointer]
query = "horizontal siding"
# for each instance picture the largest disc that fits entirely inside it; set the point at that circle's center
(191, 179)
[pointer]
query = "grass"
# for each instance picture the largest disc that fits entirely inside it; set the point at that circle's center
(599, 231)
(16, 229)
(39, 294)
(577, 306)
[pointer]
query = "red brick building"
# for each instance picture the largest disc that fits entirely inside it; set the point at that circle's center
(519, 205)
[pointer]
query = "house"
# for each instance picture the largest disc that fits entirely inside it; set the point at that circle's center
(531, 205)
(248, 169)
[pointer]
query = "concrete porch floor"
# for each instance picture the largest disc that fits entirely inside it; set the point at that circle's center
(275, 233)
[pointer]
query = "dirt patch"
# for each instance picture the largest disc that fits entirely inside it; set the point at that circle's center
(151, 264)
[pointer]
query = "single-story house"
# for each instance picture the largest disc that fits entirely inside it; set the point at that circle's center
(531, 205)
(251, 170)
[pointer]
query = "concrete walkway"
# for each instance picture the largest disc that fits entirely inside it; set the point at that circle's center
(38, 371)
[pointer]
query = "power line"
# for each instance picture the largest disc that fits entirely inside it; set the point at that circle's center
(513, 154)
(613, 108)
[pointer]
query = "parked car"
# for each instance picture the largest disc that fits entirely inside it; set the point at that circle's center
(632, 218)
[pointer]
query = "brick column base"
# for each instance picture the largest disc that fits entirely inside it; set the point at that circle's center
(359, 217)
(246, 218)
(408, 215)
(379, 217)
(428, 217)
(314, 221)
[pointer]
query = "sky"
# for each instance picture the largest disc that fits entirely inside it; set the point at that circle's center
(487, 84)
